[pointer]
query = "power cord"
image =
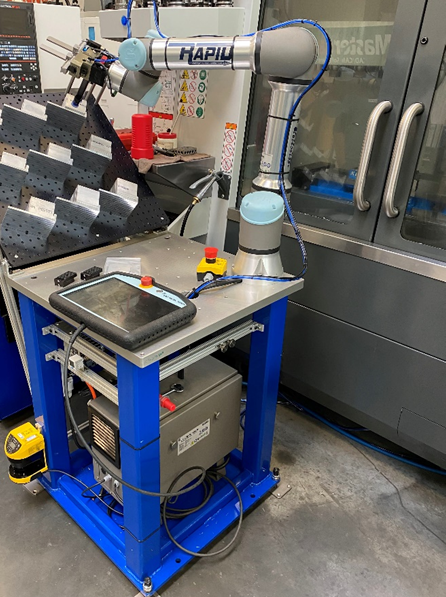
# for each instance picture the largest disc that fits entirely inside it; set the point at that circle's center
(237, 531)
(86, 488)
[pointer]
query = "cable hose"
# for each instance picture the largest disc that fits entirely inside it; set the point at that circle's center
(186, 217)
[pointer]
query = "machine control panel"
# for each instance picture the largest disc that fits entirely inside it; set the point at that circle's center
(19, 60)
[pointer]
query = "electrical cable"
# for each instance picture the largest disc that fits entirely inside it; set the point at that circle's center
(85, 444)
(287, 204)
(92, 391)
(221, 466)
(89, 488)
(242, 419)
(129, 20)
(156, 19)
(237, 531)
(180, 513)
(91, 497)
(362, 442)
(186, 217)
(298, 406)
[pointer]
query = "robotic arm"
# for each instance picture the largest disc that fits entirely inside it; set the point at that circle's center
(285, 55)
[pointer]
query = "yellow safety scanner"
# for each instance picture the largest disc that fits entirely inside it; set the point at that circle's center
(25, 450)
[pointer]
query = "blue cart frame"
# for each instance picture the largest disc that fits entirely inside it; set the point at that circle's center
(140, 546)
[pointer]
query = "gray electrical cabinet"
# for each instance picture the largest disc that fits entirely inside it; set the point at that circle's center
(202, 430)
(366, 336)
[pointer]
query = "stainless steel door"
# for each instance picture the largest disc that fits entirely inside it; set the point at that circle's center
(413, 215)
(335, 185)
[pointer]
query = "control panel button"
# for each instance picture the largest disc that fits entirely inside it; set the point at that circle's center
(146, 281)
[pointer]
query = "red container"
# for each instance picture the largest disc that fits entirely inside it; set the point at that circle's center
(142, 136)
(126, 137)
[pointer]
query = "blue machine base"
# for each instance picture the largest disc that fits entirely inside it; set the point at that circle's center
(194, 532)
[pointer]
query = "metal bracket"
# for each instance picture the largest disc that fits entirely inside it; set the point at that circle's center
(222, 342)
(91, 350)
(88, 348)
(281, 490)
(34, 487)
(87, 375)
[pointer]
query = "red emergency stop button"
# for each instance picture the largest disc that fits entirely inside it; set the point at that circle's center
(146, 281)
(211, 254)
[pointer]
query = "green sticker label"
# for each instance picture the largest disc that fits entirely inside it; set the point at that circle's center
(201, 87)
(203, 75)
(199, 112)
(200, 100)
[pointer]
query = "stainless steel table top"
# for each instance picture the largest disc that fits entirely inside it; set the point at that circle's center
(172, 261)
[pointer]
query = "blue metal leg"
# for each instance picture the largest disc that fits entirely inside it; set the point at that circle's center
(46, 384)
(263, 383)
(139, 412)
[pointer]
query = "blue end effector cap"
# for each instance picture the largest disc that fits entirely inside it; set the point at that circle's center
(132, 54)
(262, 208)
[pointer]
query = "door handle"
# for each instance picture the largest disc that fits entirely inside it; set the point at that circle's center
(367, 147)
(397, 158)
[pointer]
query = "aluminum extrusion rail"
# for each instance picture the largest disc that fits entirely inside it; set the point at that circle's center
(87, 349)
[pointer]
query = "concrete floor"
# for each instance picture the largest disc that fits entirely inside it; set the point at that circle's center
(356, 524)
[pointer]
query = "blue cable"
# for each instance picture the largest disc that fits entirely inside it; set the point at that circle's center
(129, 22)
(242, 416)
(361, 441)
(155, 18)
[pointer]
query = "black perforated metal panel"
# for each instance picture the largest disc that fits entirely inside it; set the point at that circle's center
(27, 239)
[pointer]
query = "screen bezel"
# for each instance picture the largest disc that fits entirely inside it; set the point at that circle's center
(128, 340)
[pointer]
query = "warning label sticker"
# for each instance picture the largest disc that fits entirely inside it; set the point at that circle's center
(190, 439)
(229, 143)
(193, 93)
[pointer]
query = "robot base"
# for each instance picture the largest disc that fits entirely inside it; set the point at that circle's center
(250, 264)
